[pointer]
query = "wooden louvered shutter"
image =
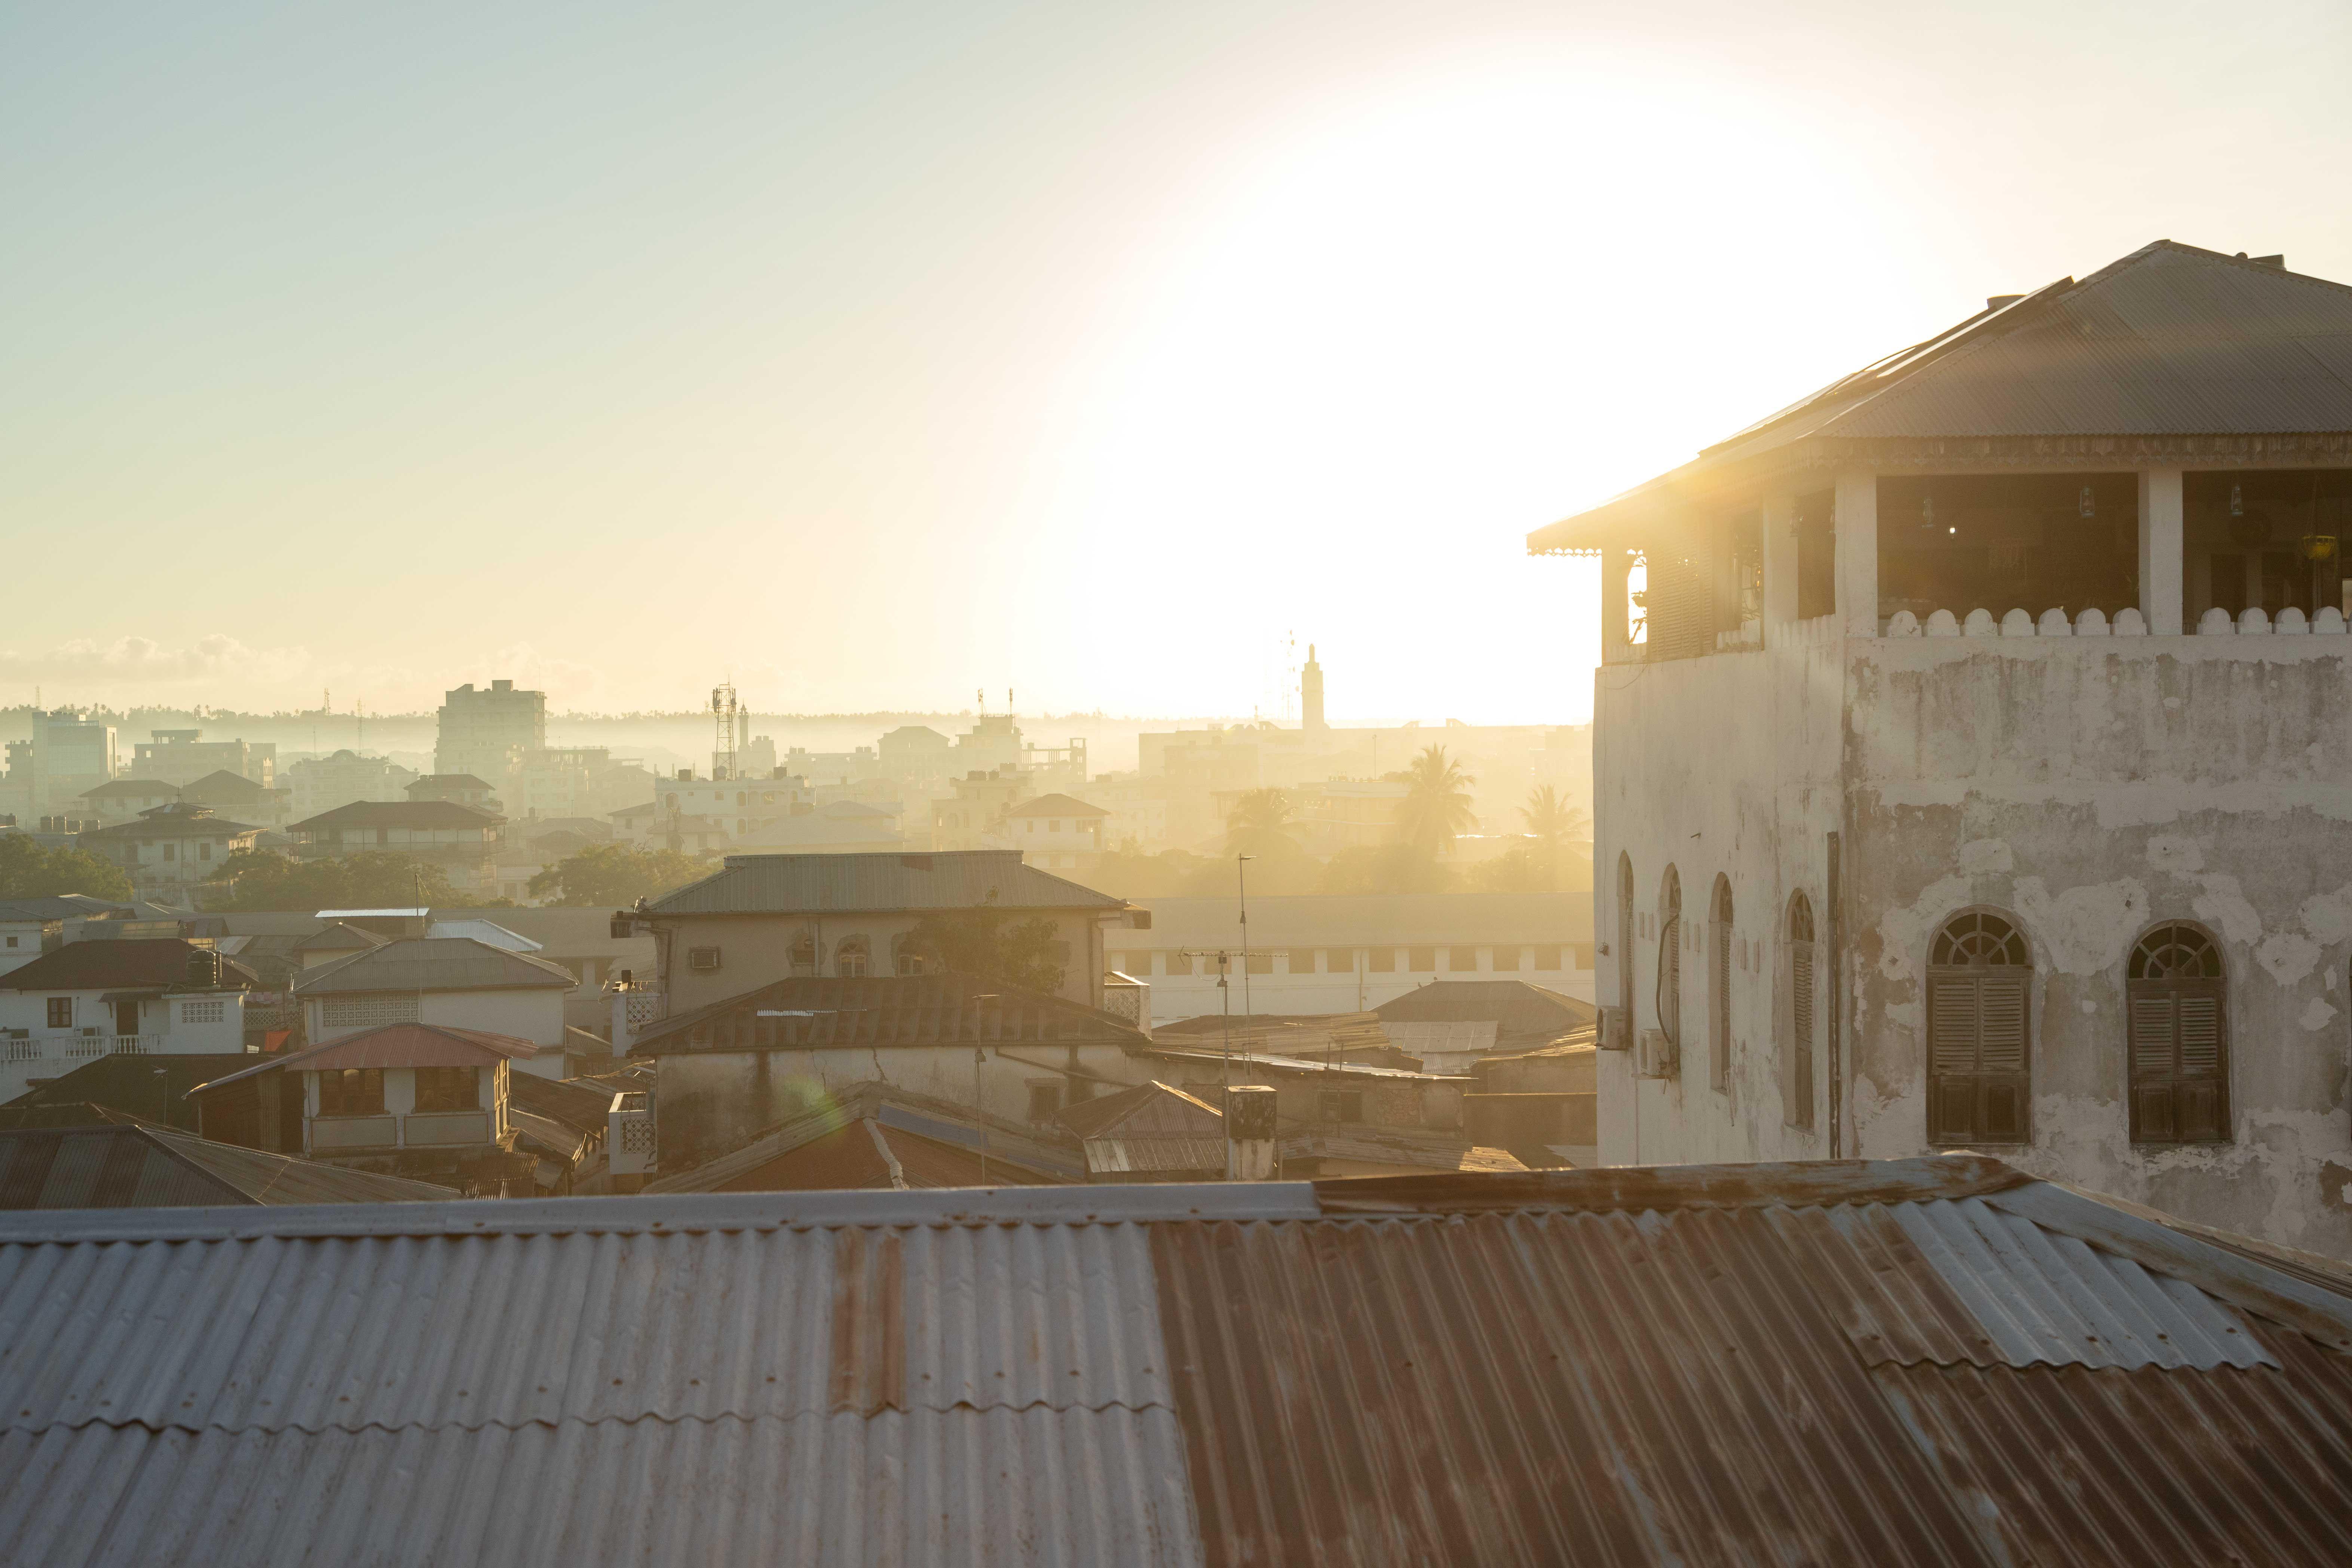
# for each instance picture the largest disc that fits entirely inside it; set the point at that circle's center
(1719, 1005)
(1801, 1028)
(1978, 1084)
(2179, 1062)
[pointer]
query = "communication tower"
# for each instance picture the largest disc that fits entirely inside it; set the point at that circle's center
(724, 713)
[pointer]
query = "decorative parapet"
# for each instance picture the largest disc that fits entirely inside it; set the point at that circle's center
(2128, 623)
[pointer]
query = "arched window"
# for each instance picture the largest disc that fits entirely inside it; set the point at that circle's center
(804, 954)
(2179, 1038)
(850, 958)
(1980, 1085)
(1669, 998)
(1625, 964)
(1718, 986)
(907, 959)
(1798, 1080)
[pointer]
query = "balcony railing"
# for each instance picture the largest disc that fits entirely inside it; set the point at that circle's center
(1981, 622)
(62, 1047)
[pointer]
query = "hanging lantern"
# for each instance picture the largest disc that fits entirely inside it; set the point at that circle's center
(2319, 547)
(2086, 503)
(2237, 501)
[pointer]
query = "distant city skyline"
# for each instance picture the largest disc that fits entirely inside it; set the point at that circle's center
(866, 355)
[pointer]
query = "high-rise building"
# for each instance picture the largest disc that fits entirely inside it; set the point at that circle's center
(486, 733)
(71, 755)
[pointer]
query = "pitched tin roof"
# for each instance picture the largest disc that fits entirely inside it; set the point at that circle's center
(2170, 341)
(1519, 1010)
(124, 962)
(410, 814)
(221, 784)
(433, 964)
(174, 822)
(879, 883)
(390, 1046)
(142, 1166)
(1935, 1360)
(822, 1011)
(1056, 805)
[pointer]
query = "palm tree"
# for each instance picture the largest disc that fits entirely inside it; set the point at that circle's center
(1553, 822)
(1436, 808)
(1260, 821)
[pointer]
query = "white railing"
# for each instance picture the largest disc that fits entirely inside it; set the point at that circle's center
(1979, 623)
(80, 1048)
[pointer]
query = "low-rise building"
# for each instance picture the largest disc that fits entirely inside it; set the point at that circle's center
(1058, 832)
(131, 996)
(461, 842)
(1332, 954)
(121, 800)
(414, 1100)
(167, 851)
(183, 756)
(765, 918)
(234, 795)
(320, 784)
(734, 1067)
(461, 982)
(463, 788)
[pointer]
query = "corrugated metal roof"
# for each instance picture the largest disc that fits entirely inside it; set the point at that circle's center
(435, 963)
(1399, 919)
(137, 1166)
(1718, 1365)
(826, 884)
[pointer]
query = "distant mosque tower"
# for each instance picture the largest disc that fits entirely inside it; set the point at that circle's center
(1310, 695)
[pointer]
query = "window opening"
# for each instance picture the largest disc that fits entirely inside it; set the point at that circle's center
(448, 1088)
(2179, 1038)
(1979, 1081)
(849, 959)
(352, 1091)
(1816, 529)
(1669, 1000)
(1625, 936)
(1801, 1011)
(1718, 987)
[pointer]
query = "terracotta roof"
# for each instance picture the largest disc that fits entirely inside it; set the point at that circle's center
(125, 963)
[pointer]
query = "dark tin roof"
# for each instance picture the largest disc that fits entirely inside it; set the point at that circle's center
(433, 964)
(61, 907)
(124, 962)
(150, 1089)
(1057, 804)
(340, 936)
(2170, 341)
(877, 883)
(818, 1012)
(391, 1045)
(1939, 1361)
(1518, 1011)
(221, 786)
(849, 1137)
(140, 1166)
(128, 788)
(174, 822)
(398, 813)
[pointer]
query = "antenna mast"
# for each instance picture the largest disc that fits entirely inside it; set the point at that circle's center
(723, 711)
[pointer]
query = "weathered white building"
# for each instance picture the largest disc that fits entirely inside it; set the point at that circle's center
(1971, 757)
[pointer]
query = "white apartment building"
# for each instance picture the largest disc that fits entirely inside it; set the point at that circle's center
(487, 733)
(1328, 953)
(1058, 832)
(122, 996)
(320, 784)
(1971, 753)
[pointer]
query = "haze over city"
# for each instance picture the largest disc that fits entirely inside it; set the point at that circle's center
(1252, 781)
(872, 354)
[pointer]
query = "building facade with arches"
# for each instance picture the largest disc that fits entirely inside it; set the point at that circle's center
(1973, 756)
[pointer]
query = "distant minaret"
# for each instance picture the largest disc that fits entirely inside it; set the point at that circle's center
(1311, 694)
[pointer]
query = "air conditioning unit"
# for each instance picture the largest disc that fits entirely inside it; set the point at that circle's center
(1616, 1030)
(629, 1140)
(1658, 1056)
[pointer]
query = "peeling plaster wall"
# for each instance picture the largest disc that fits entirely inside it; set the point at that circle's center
(1725, 764)
(2090, 788)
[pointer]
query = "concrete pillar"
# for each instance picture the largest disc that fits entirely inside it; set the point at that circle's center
(1857, 551)
(2160, 533)
(1779, 561)
(1250, 1133)
(1615, 565)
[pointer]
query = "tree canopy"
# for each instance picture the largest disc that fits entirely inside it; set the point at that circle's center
(989, 944)
(373, 878)
(29, 871)
(615, 875)
(1436, 808)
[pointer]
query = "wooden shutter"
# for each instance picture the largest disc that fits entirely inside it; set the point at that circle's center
(2179, 1062)
(1801, 1029)
(1978, 1086)
(1718, 1007)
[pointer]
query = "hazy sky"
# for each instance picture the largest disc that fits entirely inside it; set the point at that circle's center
(876, 352)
